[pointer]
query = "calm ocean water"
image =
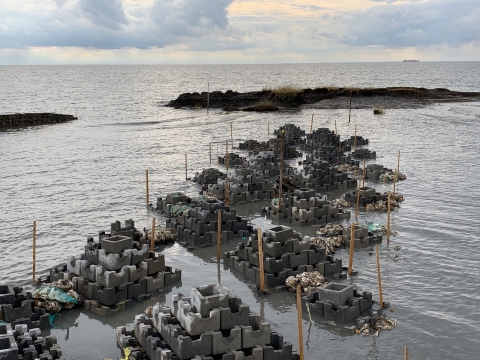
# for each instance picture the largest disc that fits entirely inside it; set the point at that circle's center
(76, 178)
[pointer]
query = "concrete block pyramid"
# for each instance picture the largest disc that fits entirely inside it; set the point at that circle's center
(17, 307)
(368, 195)
(293, 135)
(306, 207)
(341, 303)
(362, 237)
(116, 272)
(209, 324)
(198, 226)
(322, 137)
(21, 343)
(285, 253)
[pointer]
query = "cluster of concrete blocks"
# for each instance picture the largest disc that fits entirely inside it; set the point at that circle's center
(341, 303)
(362, 237)
(165, 204)
(374, 171)
(209, 324)
(208, 176)
(18, 307)
(368, 195)
(335, 157)
(285, 253)
(293, 135)
(306, 207)
(359, 141)
(322, 137)
(25, 344)
(364, 154)
(199, 226)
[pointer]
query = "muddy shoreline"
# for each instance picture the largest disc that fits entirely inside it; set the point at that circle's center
(321, 98)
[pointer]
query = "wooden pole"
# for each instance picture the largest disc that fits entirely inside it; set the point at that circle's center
(350, 109)
(186, 167)
(299, 315)
(394, 181)
(226, 155)
(146, 182)
(407, 353)
(260, 259)
(355, 139)
(388, 218)
(358, 202)
(311, 126)
(364, 169)
(280, 190)
(268, 129)
(152, 236)
(34, 249)
(398, 165)
(352, 244)
(210, 148)
(226, 192)
(219, 233)
(378, 275)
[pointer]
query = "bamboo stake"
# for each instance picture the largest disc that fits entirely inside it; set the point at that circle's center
(280, 190)
(350, 109)
(34, 249)
(299, 316)
(268, 129)
(388, 218)
(219, 233)
(311, 126)
(398, 165)
(358, 202)
(379, 277)
(352, 244)
(152, 236)
(407, 353)
(355, 140)
(186, 167)
(364, 169)
(394, 181)
(260, 259)
(226, 154)
(210, 148)
(146, 181)
(226, 192)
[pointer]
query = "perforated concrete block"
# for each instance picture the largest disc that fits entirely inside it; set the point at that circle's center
(116, 244)
(137, 256)
(297, 245)
(193, 322)
(110, 279)
(136, 272)
(207, 297)
(83, 287)
(109, 296)
(222, 341)
(135, 289)
(89, 271)
(297, 260)
(256, 333)
(237, 313)
(277, 349)
(272, 280)
(154, 263)
(113, 261)
(74, 264)
(8, 348)
(272, 265)
(336, 293)
(332, 266)
(11, 313)
(172, 275)
(279, 233)
(155, 282)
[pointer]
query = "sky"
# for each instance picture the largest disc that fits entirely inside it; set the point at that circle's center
(237, 31)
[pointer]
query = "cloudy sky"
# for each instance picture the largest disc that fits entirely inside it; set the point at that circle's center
(236, 31)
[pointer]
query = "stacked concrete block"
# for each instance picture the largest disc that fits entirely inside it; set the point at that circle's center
(364, 154)
(22, 343)
(127, 229)
(341, 303)
(285, 253)
(199, 227)
(362, 237)
(293, 135)
(233, 160)
(321, 137)
(208, 176)
(17, 307)
(289, 151)
(209, 324)
(323, 177)
(306, 207)
(253, 146)
(368, 195)
(355, 140)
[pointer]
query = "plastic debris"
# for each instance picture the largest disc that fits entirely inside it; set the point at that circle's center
(375, 324)
(56, 296)
(308, 281)
(178, 209)
(377, 228)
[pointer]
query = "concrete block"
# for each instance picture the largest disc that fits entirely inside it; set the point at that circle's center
(279, 233)
(317, 254)
(237, 313)
(192, 321)
(207, 297)
(137, 256)
(277, 349)
(135, 289)
(256, 333)
(112, 261)
(8, 348)
(89, 271)
(155, 281)
(272, 280)
(56, 273)
(154, 263)
(7, 295)
(222, 341)
(83, 287)
(74, 263)
(273, 266)
(24, 311)
(116, 244)
(109, 296)
(172, 275)
(336, 293)
(332, 266)
(297, 260)
(136, 272)
(297, 245)
(109, 278)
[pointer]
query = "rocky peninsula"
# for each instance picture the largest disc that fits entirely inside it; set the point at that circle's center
(15, 121)
(288, 97)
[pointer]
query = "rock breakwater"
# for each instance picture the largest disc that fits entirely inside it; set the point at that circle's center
(32, 119)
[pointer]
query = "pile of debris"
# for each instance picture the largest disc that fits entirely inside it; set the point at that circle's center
(57, 296)
(375, 324)
(308, 281)
(329, 243)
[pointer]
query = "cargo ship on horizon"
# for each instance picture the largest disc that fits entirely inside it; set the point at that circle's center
(411, 60)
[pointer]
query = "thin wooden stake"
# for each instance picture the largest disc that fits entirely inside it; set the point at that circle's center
(268, 129)
(388, 218)
(352, 244)
(260, 259)
(394, 181)
(210, 148)
(407, 353)
(152, 236)
(146, 182)
(364, 169)
(186, 167)
(34, 249)
(358, 202)
(379, 277)
(299, 316)
(219, 234)
(355, 139)
(398, 165)
(280, 190)
(226, 192)
(311, 126)
(350, 109)
(226, 155)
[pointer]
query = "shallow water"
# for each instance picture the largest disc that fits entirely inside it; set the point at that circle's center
(76, 178)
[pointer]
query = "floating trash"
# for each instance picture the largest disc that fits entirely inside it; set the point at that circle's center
(375, 324)
(308, 281)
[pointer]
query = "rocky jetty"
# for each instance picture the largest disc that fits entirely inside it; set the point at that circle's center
(32, 119)
(288, 97)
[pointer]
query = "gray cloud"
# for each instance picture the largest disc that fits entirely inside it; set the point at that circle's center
(106, 13)
(60, 3)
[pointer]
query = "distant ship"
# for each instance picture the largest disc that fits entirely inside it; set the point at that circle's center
(410, 60)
